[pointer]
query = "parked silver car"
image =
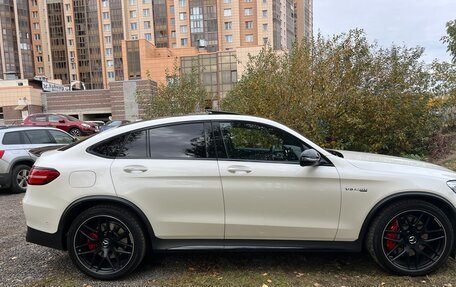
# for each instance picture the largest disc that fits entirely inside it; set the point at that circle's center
(15, 157)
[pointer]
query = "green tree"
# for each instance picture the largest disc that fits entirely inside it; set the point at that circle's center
(343, 92)
(182, 94)
(450, 38)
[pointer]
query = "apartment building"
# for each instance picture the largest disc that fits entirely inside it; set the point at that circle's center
(16, 59)
(82, 40)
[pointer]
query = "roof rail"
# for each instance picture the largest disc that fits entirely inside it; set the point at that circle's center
(215, 112)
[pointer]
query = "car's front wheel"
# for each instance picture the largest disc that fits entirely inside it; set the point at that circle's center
(106, 242)
(411, 238)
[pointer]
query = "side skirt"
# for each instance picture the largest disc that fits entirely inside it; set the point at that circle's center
(254, 245)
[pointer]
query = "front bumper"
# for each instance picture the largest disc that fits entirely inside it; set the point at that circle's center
(53, 240)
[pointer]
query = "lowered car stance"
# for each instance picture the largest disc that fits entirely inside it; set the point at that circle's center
(222, 181)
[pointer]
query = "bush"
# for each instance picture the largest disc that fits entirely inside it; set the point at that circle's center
(344, 93)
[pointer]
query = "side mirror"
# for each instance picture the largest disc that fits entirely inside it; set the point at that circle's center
(62, 121)
(309, 157)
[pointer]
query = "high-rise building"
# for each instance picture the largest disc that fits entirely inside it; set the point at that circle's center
(82, 40)
(16, 60)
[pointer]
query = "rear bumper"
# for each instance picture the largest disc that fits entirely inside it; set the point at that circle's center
(53, 240)
(5, 180)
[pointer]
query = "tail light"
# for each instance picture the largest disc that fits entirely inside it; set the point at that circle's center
(2, 152)
(42, 176)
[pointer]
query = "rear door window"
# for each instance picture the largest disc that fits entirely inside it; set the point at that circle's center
(178, 141)
(39, 137)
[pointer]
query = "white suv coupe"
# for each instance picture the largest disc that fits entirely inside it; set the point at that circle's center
(222, 181)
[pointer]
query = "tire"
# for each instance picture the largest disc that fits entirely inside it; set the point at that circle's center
(412, 238)
(19, 176)
(106, 242)
(75, 132)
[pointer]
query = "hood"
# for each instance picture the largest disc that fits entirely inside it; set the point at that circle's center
(394, 164)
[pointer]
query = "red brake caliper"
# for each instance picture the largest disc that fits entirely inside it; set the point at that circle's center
(394, 226)
(92, 244)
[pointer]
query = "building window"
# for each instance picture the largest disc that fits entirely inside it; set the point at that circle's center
(248, 1)
(184, 42)
(132, 2)
(146, 24)
(173, 34)
(265, 40)
(183, 29)
(227, 12)
(171, 9)
(105, 15)
(111, 75)
(249, 38)
(134, 26)
(34, 2)
(110, 63)
(249, 25)
(35, 14)
(69, 19)
(182, 16)
(1, 113)
(70, 31)
(37, 37)
(67, 6)
(108, 39)
(148, 36)
(133, 14)
(146, 12)
(40, 70)
(104, 3)
(107, 27)
(229, 38)
(226, 1)
(265, 13)
(248, 11)
(108, 51)
(228, 25)
(73, 77)
(265, 27)
(38, 48)
(70, 42)
(182, 3)
(36, 25)
(73, 66)
(173, 21)
(39, 59)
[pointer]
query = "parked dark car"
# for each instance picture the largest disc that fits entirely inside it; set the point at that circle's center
(113, 124)
(72, 125)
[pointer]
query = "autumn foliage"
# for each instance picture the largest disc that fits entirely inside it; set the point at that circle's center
(345, 93)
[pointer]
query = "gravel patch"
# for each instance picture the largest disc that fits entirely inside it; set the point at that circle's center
(25, 264)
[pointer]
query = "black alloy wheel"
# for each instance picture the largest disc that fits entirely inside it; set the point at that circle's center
(105, 244)
(413, 238)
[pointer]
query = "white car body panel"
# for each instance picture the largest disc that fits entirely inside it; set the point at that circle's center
(267, 203)
(181, 198)
(280, 201)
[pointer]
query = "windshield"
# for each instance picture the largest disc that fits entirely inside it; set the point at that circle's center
(70, 118)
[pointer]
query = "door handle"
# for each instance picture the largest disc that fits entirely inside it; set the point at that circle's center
(239, 169)
(135, 169)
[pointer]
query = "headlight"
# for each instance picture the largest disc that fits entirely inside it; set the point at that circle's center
(85, 125)
(452, 185)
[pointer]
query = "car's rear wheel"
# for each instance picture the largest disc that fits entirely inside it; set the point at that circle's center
(411, 238)
(106, 242)
(19, 176)
(75, 132)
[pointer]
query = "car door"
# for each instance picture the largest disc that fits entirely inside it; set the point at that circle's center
(57, 121)
(267, 194)
(35, 138)
(171, 173)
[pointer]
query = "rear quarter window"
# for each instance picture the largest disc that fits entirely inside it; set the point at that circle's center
(12, 138)
(39, 137)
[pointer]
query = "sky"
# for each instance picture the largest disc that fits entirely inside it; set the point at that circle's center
(402, 22)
